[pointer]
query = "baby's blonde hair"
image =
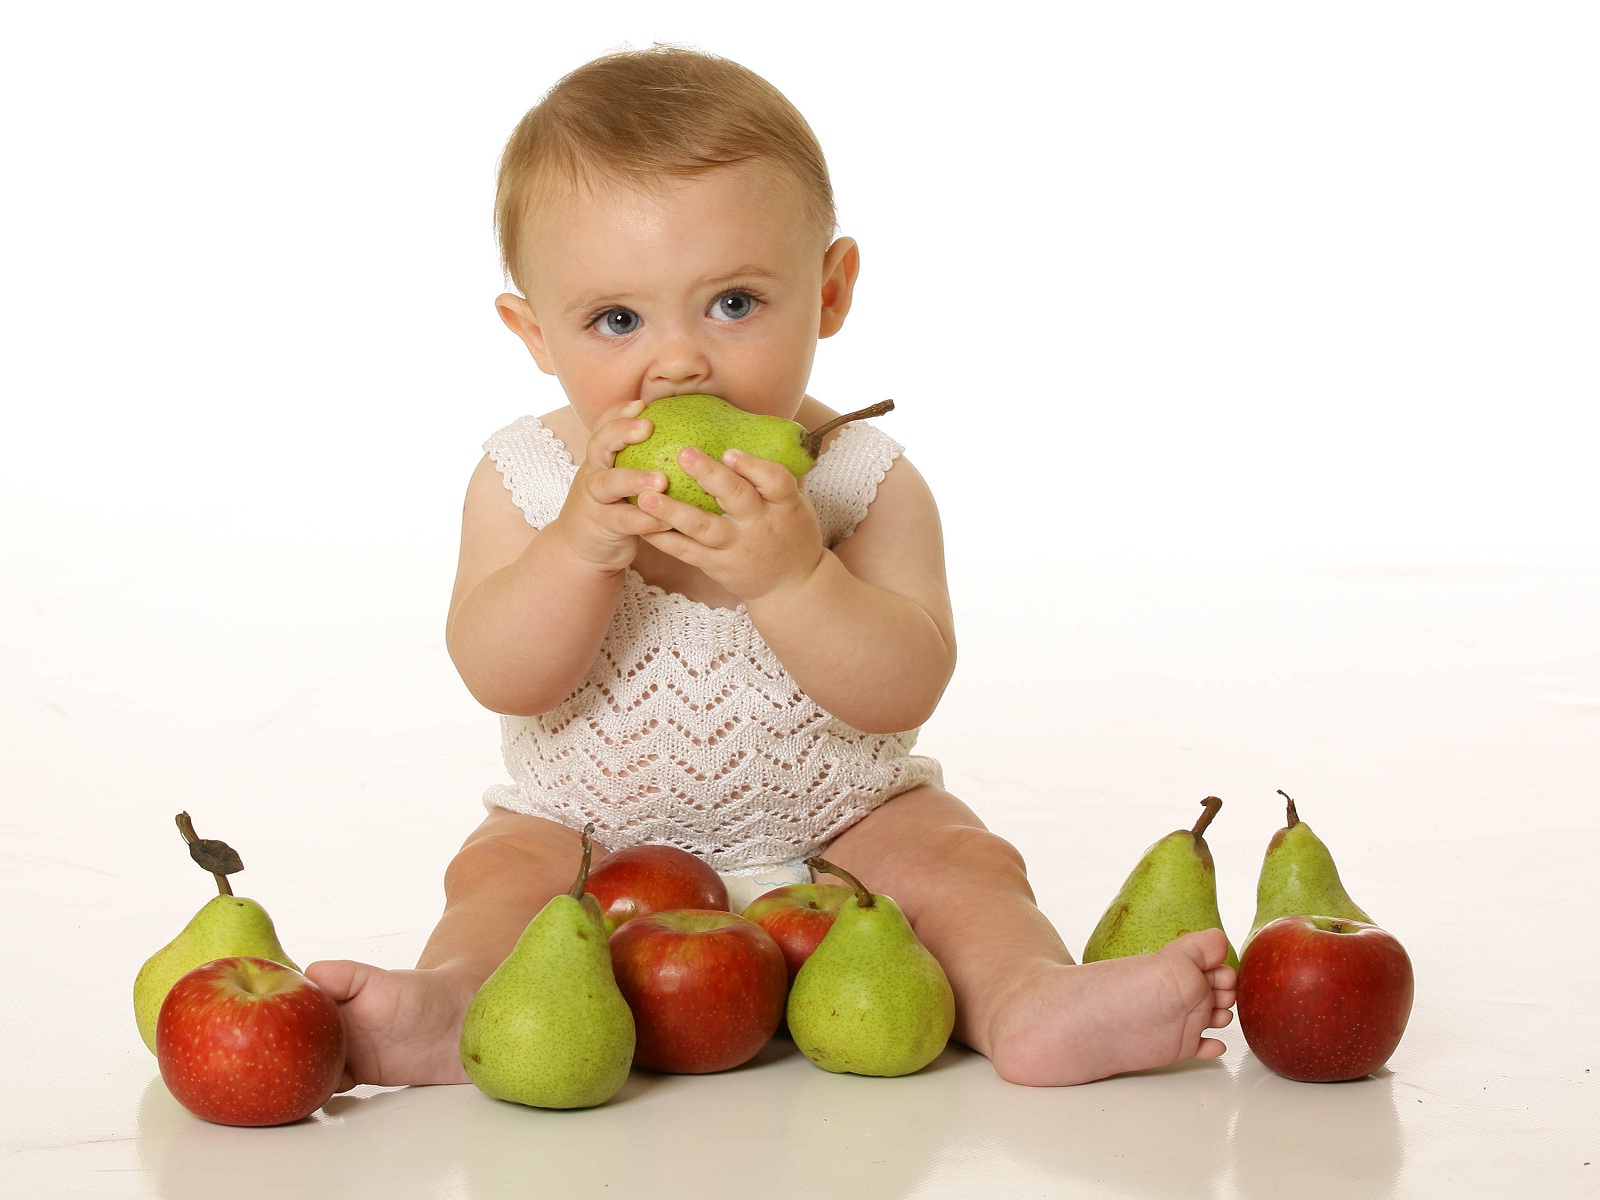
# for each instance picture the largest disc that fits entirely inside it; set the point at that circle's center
(643, 118)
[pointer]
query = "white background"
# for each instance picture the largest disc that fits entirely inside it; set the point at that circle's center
(1144, 279)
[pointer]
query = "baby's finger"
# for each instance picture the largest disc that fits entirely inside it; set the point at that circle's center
(772, 481)
(708, 529)
(624, 429)
(625, 411)
(610, 484)
(632, 521)
(726, 486)
(680, 546)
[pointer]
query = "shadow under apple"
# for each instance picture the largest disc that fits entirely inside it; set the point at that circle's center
(1344, 1137)
(328, 1153)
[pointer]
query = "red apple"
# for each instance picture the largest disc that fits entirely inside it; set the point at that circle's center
(707, 988)
(247, 1041)
(639, 880)
(798, 916)
(1323, 998)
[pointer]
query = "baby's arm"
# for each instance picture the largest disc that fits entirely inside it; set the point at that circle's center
(531, 607)
(865, 628)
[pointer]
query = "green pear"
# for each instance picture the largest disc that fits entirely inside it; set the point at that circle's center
(715, 426)
(226, 925)
(1172, 891)
(871, 999)
(549, 1028)
(1298, 877)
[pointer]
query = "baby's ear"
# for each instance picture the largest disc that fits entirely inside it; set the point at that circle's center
(840, 266)
(516, 312)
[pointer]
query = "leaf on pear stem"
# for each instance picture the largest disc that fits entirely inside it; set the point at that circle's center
(217, 857)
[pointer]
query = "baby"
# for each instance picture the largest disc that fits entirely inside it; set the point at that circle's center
(745, 685)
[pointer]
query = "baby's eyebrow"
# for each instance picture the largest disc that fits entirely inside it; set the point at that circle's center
(753, 271)
(597, 300)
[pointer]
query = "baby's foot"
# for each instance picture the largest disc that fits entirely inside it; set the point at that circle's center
(400, 1026)
(1073, 1024)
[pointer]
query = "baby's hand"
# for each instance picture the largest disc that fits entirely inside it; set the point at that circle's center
(596, 520)
(767, 537)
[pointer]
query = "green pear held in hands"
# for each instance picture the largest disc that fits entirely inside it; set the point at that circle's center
(715, 426)
(1298, 877)
(550, 1028)
(226, 926)
(1172, 891)
(871, 999)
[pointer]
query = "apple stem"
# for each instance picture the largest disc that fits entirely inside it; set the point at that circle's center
(583, 865)
(1294, 817)
(1212, 806)
(811, 443)
(864, 898)
(217, 857)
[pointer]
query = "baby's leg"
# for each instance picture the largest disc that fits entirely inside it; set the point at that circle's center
(1020, 999)
(405, 1026)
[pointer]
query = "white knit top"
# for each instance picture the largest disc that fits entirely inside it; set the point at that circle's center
(687, 730)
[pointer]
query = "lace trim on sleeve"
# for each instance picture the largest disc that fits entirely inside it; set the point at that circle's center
(535, 467)
(845, 480)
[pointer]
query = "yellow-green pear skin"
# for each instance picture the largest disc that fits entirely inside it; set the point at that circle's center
(224, 927)
(1172, 891)
(870, 999)
(549, 1028)
(715, 426)
(1298, 878)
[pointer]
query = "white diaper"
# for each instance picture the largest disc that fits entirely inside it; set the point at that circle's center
(745, 886)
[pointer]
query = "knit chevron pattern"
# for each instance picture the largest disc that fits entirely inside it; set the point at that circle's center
(687, 730)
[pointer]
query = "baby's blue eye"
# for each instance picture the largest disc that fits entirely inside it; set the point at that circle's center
(733, 306)
(616, 322)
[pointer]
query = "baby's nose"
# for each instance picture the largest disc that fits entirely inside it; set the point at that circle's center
(681, 360)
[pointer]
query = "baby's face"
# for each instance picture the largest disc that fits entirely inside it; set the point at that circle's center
(715, 285)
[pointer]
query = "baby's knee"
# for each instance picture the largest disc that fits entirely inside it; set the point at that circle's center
(972, 850)
(510, 848)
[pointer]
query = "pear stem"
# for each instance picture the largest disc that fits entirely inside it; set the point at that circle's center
(1212, 805)
(863, 897)
(583, 866)
(1294, 817)
(217, 857)
(811, 443)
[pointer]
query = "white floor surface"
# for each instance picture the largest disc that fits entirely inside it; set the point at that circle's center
(1437, 722)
